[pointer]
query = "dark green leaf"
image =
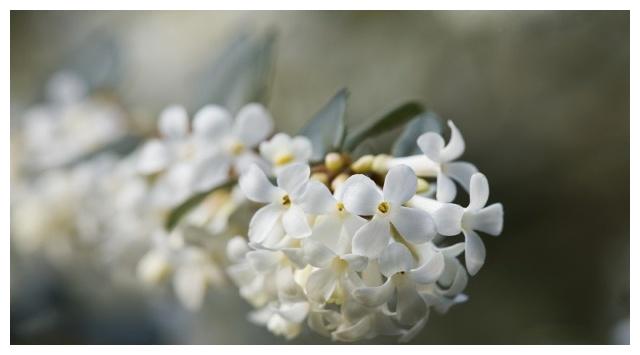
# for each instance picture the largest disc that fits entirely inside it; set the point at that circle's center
(386, 122)
(239, 75)
(326, 129)
(182, 209)
(406, 144)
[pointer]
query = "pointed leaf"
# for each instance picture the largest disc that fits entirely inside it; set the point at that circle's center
(326, 130)
(386, 122)
(406, 144)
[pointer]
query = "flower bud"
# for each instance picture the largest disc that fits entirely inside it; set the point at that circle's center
(423, 186)
(380, 164)
(321, 177)
(334, 162)
(339, 180)
(362, 165)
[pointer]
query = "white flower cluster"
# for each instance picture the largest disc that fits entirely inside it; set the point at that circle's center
(367, 258)
(352, 249)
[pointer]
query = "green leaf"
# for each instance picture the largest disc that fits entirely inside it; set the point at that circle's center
(407, 144)
(386, 122)
(326, 130)
(240, 74)
(97, 60)
(190, 203)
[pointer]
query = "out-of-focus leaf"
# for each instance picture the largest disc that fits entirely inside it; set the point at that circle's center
(406, 144)
(326, 129)
(386, 122)
(240, 74)
(121, 147)
(96, 60)
(182, 209)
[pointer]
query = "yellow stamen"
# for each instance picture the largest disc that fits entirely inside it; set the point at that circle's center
(383, 207)
(282, 159)
(340, 206)
(286, 201)
(236, 148)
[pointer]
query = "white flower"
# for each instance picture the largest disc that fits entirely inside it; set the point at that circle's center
(283, 150)
(332, 279)
(238, 137)
(195, 155)
(288, 203)
(439, 161)
(363, 197)
(398, 266)
(452, 219)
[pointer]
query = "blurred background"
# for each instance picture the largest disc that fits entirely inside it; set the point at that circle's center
(542, 99)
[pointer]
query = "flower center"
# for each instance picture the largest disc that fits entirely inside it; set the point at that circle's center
(383, 207)
(340, 206)
(286, 200)
(236, 148)
(283, 158)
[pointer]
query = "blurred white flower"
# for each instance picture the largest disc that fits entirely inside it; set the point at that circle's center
(283, 150)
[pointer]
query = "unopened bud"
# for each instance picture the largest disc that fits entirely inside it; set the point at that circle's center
(362, 165)
(338, 180)
(380, 164)
(423, 186)
(321, 177)
(334, 162)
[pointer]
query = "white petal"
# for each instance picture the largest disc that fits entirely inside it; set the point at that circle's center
(431, 145)
(399, 184)
(294, 312)
(317, 199)
(414, 224)
(475, 252)
(190, 286)
(210, 173)
(372, 238)
(174, 122)
(461, 172)
(356, 262)
(446, 188)
(430, 271)
(375, 296)
(263, 261)
(455, 147)
(353, 332)
(361, 195)
(321, 284)
(317, 254)
(410, 307)
(453, 250)
(212, 122)
(279, 143)
(263, 222)
(395, 258)
(448, 219)
(295, 223)
(413, 331)
(237, 248)
(489, 219)
(327, 230)
(293, 179)
(253, 124)
(478, 192)
(296, 256)
(302, 148)
(352, 223)
(245, 160)
(257, 187)
(153, 158)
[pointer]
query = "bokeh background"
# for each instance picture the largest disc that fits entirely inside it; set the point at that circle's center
(541, 97)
